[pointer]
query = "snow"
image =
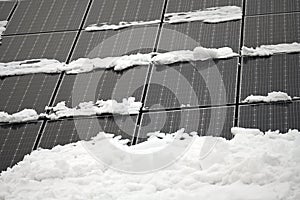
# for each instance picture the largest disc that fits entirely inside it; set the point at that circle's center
(272, 97)
(22, 116)
(2, 28)
(119, 63)
(126, 107)
(268, 50)
(209, 15)
(253, 165)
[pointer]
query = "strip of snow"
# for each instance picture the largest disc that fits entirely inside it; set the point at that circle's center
(272, 97)
(82, 65)
(2, 28)
(209, 15)
(22, 116)
(268, 50)
(250, 166)
(126, 107)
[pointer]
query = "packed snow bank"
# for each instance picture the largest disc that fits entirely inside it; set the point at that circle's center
(83, 65)
(209, 15)
(272, 97)
(268, 50)
(2, 28)
(22, 116)
(250, 166)
(126, 107)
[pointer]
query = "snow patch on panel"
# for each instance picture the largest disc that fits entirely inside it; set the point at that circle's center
(272, 97)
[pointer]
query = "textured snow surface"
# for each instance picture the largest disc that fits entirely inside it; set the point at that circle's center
(253, 165)
(22, 116)
(272, 97)
(268, 50)
(82, 65)
(2, 28)
(209, 15)
(126, 107)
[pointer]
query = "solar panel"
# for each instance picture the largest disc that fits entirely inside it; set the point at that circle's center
(47, 45)
(102, 84)
(271, 116)
(190, 35)
(16, 140)
(6, 8)
(276, 73)
(44, 15)
(71, 130)
(259, 7)
(117, 11)
(272, 29)
(206, 121)
(192, 84)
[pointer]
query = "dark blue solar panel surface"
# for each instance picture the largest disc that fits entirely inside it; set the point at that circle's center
(184, 95)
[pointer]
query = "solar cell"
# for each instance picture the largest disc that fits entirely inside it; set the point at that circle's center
(276, 73)
(71, 130)
(44, 15)
(16, 140)
(206, 121)
(258, 7)
(190, 35)
(272, 29)
(117, 11)
(6, 8)
(282, 116)
(47, 45)
(192, 84)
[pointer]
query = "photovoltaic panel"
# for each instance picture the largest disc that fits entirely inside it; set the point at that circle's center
(205, 121)
(189, 35)
(44, 15)
(266, 117)
(28, 91)
(190, 5)
(5, 8)
(71, 130)
(116, 43)
(50, 45)
(275, 73)
(16, 140)
(102, 84)
(272, 29)
(199, 83)
(258, 7)
(117, 11)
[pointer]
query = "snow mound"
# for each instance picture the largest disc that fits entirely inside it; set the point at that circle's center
(83, 65)
(250, 166)
(2, 28)
(272, 97)
(268, 50)
(22, 116)
(209, 15)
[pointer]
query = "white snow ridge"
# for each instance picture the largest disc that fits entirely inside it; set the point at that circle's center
(83, 65)
(209, 15)
(2, 28)
(22, 116)
(272, 97)
(268, 50)
(252, 166)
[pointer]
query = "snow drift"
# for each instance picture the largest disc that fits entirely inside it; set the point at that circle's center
(272, 97)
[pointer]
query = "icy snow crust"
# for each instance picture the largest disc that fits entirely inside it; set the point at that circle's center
(82, 65)
(272, 97)
(268, 50)
(2, 28)
(253, 165)
(126, 107)
(209, 15)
